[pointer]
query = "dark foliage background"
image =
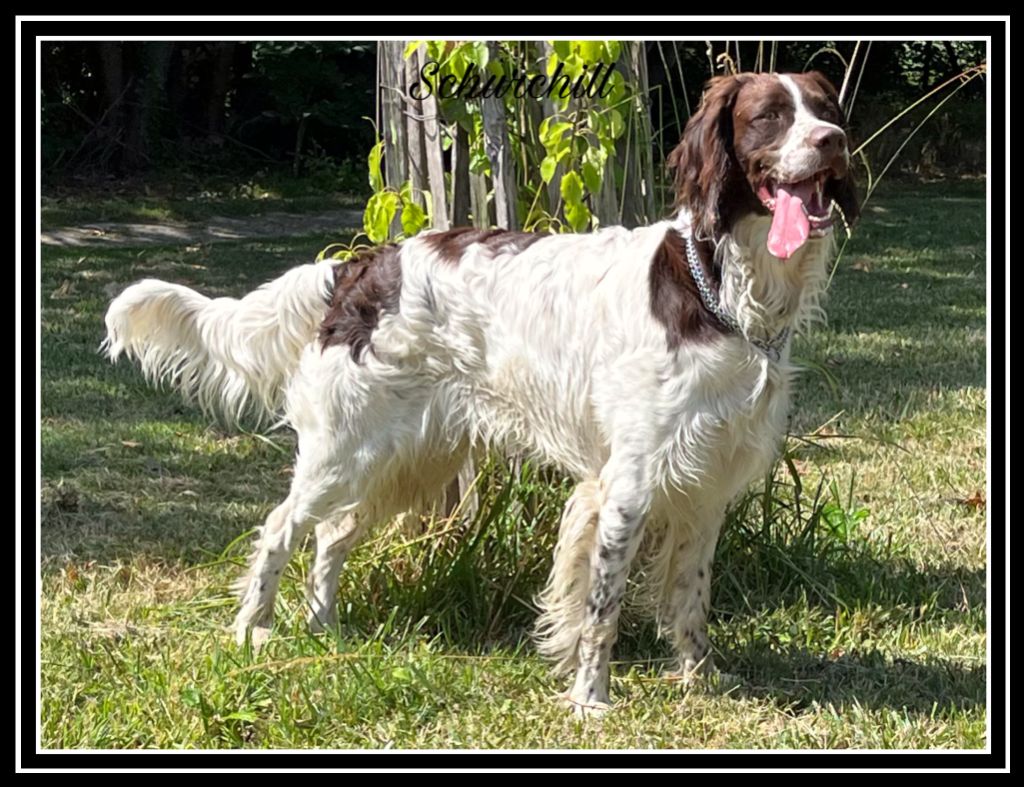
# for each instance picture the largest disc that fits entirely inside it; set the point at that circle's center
(129, 108)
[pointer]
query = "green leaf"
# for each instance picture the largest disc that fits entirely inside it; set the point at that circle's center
(481, 54)
(617, 88)
(411, 47)
(458, 62)
(552, 134)
(428, 200)
(413, 219)
(592, 176)
(613, 49)
(547, 168)
(597, 156)
(616, 125)
(552, 64)
(572, 188)
(562, 48)
(191, 697)
(376, 178)
(577, 214)
(590, 51)
(380, 210)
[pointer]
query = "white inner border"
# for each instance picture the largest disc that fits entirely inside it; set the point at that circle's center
(692, 36)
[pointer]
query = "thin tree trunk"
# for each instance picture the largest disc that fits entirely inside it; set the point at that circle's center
(223, 55)
(300, 138)
(435, 161)
(482, 208)
(460, 178)
(646, 138)
(416, 154)
(954, 61)
(496, 145)
(633, 150)
(150, 102)
(112, 61)
(392, 121)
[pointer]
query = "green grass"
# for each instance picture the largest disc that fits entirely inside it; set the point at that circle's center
(849, 592)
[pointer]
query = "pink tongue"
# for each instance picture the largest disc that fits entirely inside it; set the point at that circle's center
(790, 226)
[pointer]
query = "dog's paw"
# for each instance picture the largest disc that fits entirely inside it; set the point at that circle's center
(256, 633)
(594, 709)
(318, 623)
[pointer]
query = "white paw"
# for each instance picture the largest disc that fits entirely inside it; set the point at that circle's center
(594, 709)
(320, 621)
(257, 632)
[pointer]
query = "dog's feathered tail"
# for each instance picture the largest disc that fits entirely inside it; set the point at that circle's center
(232, 357)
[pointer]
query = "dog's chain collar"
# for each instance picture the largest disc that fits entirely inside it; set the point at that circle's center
(771, 347)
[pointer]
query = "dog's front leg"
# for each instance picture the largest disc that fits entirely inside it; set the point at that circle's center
(620, 526)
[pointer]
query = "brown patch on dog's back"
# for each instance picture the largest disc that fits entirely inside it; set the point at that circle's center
(364, 288)
(675, 301)
(450, 245)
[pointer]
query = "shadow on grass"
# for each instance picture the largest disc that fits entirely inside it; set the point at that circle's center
(797, 679)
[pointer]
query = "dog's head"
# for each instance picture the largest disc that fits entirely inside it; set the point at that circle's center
(769, 144)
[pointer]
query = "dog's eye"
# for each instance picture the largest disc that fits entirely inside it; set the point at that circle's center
(828, 113)
(768, 115)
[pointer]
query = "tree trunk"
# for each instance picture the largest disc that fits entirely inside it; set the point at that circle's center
(391, 125)
(416, 153)
(112, 60)
(435, 161)
(460, 178)
(954, 61)
(496, 145)
(483, 214)
(222, 55)
(144, 121)
(634, 149)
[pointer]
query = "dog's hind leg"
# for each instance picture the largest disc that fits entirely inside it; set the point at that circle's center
(317, 491)
(686, 592)
(626, 501)
(335, 538)
(395, 487)
(563, 600)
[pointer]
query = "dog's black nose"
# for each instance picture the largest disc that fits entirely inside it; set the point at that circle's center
(828, 139)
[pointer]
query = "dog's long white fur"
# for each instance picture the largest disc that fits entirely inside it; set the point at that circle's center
(232, 357)
(553, 351)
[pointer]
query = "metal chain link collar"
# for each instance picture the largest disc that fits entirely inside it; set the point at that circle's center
(771, 347)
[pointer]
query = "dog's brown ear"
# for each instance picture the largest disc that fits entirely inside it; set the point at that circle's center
(704, 157)
(825, 83)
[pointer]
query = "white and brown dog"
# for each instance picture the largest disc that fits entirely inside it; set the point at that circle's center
(650, 364)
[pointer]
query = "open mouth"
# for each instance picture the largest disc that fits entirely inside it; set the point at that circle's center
(800, 210)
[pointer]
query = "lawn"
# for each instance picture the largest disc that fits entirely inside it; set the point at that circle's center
(849, 591)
